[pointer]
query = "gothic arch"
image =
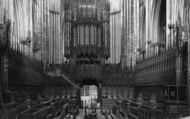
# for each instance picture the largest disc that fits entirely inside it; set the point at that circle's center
(142, 25)
(158, 20)
(162, 22)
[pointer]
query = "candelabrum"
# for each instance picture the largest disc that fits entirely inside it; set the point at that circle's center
(171, 27)
(149, 51)
(141, 51)
(158, 45)
(177, 29)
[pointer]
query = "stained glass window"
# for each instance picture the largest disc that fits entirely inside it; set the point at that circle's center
(95, 35)
(78, 35)
(81, 35)
(106, 35)
(75, 38)
(92, 35)
(87, 35)
(99, 37)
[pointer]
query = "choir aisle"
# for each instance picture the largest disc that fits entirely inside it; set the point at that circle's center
(99, 115)
(82, 114)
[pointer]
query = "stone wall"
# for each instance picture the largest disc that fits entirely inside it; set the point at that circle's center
(31, 27)
(130, 32)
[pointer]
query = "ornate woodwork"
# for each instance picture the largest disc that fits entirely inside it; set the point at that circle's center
(165, 76)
